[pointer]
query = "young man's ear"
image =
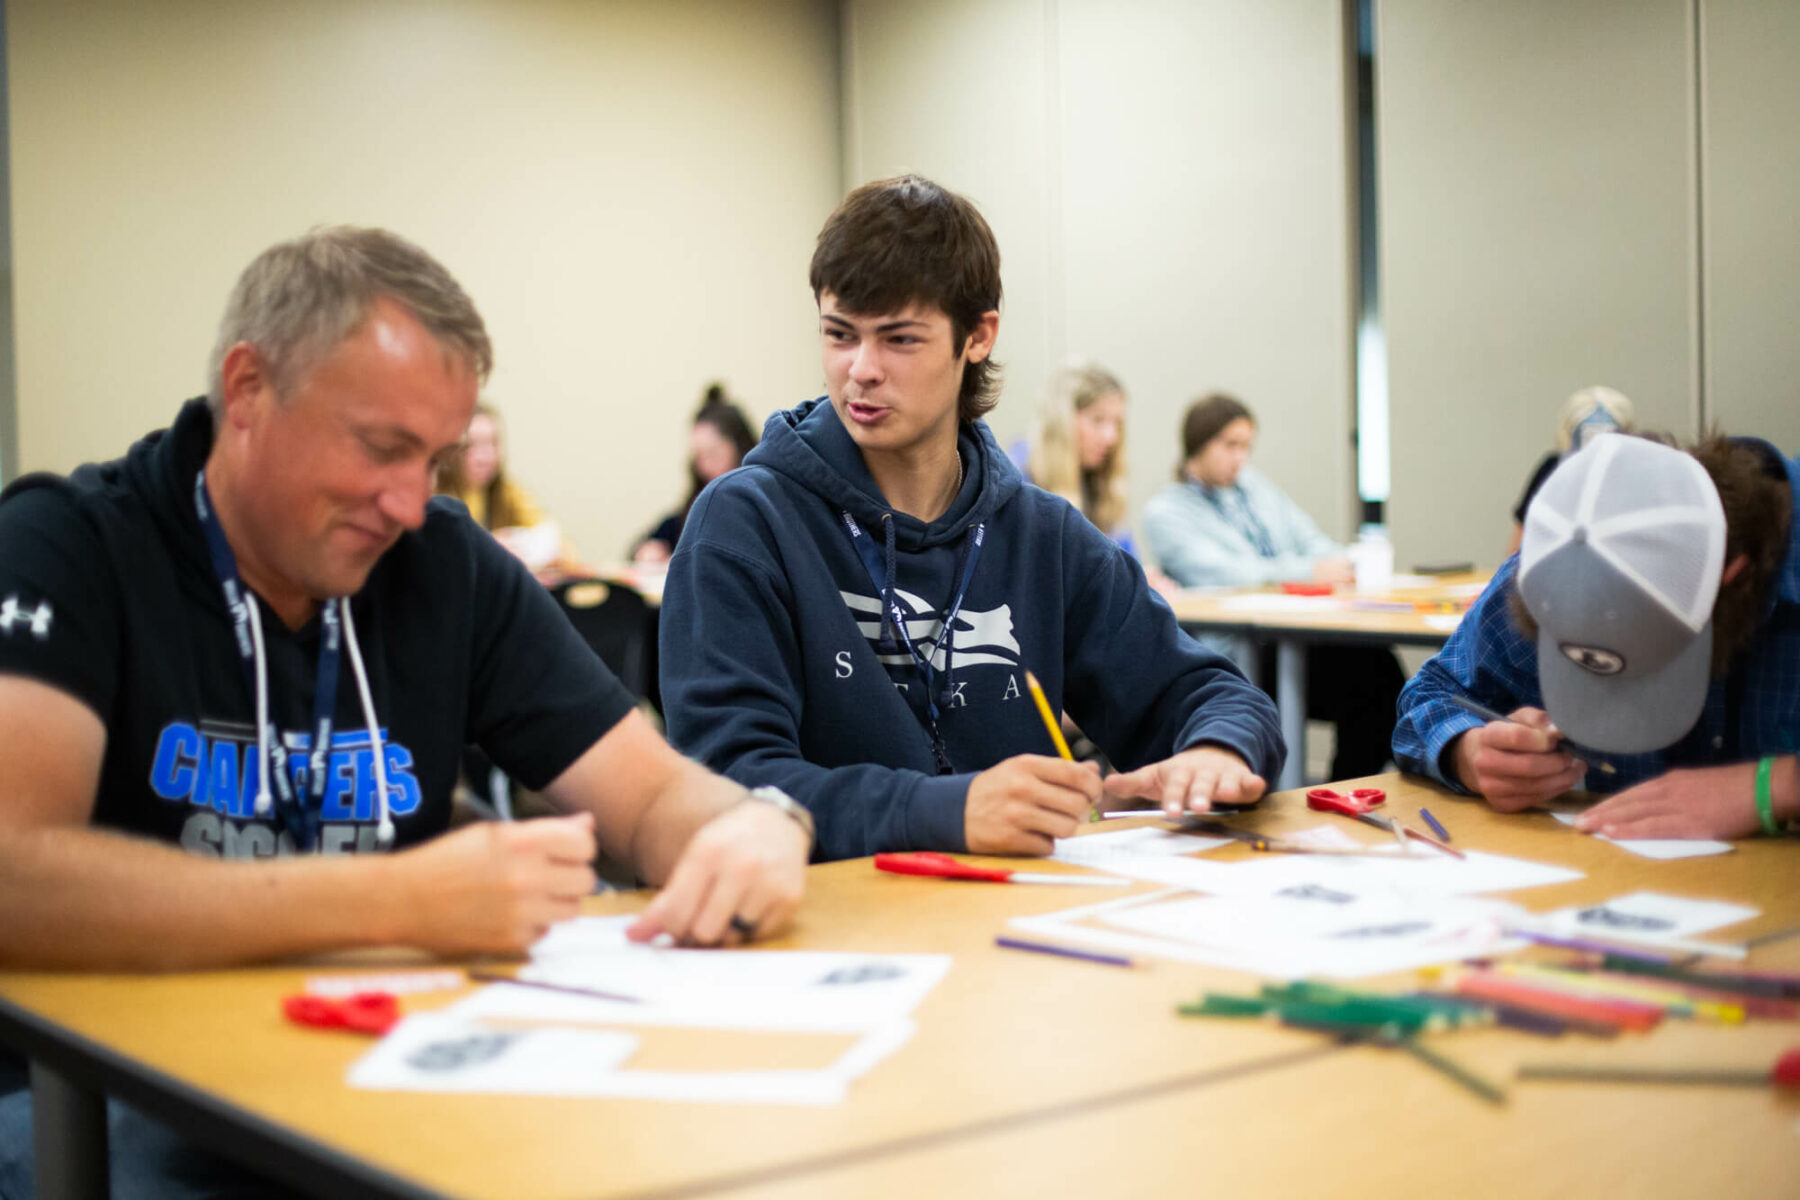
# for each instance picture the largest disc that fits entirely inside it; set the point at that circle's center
(1735, 568)
(981, 339)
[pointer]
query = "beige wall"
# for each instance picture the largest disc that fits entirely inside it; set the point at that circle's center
(1536, 236)
(1167, 182)
(629, 190)
(1751, 203)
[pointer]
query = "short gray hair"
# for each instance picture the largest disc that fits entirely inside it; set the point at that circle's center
(300, 299)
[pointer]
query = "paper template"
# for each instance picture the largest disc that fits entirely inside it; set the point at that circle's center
(1281, 602)
(1657, 847)
(1383, 871)
(438, 1052)
(727, 989)
(443, 1052)
(1644, 917)
(1118, 851)
(1311, 932)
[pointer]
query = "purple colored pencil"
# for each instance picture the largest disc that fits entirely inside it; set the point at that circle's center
(1111, 960)
(1443, 834)
(1591, 947)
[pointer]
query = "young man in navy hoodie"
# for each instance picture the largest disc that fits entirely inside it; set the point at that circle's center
(851, 615)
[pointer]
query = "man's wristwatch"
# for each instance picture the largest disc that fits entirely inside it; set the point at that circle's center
(796, 811)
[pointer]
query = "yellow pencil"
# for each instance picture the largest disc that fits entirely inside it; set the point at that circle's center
(1050, 721)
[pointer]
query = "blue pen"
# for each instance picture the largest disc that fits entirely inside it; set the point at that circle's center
(1433, 822)
(1574, 751)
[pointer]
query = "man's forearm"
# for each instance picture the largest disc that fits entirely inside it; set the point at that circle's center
(78, 898)
(690, 797)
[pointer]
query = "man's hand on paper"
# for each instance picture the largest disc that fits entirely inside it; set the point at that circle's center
(741, 877)
(1702, 802)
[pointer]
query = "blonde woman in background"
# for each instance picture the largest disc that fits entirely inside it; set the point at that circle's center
(1585, 415)
(477, 477)
(1077, 451)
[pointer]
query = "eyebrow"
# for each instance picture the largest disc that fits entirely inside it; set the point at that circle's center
(884, 327)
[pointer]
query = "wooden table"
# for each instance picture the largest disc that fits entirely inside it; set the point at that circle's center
(1029, 1075)
(1237, 612)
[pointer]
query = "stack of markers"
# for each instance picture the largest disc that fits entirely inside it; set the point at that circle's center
(1601, 994)
(1370, 1017)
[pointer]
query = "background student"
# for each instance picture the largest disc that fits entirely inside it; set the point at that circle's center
(477, 476)
(1077, 451)
(720, 437)
(851, 615)
(1585, 415)
(1221, 523)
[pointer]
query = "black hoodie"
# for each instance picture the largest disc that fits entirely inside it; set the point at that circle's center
(112, 598)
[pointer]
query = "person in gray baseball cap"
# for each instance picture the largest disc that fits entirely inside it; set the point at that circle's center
(1644, 641)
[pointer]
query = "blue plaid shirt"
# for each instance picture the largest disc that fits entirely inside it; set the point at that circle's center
(1752, 712)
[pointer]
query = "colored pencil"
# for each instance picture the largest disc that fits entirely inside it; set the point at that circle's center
(590, 993)
(1111, 960)
(1570, 748)
(1432, 821)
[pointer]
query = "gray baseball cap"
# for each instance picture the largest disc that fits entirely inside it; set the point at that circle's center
(1620, 564)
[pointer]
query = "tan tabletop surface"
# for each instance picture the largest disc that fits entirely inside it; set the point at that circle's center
(1029, 1075)
(1226, 611)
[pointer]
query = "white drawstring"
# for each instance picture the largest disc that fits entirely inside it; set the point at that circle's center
(384, 832)
(264, 801)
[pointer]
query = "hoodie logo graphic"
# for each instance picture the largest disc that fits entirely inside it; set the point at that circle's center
(981, 637)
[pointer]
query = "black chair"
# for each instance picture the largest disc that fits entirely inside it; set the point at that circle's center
(618, 625)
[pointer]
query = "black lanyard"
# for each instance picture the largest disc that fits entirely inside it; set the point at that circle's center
(301, 820)
(871, 560)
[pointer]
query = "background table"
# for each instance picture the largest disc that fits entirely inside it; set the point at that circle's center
(1029, 1075)
(1292, 630)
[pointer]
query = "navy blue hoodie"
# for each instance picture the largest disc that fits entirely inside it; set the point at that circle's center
(777, 667)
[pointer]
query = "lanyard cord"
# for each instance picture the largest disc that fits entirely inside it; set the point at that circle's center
(872, 563)
(297, 815)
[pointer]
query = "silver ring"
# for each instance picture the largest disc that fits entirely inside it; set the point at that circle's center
(745, 929)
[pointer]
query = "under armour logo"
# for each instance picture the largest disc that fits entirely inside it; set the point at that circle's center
(11, 614)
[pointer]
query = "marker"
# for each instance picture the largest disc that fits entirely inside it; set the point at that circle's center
(1111, 960)
(1425, 815)
(1050, 721)
(1487, 714)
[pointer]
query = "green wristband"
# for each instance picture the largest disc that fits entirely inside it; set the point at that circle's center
(1765, 803)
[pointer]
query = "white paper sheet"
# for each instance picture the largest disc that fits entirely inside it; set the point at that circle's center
(1358, 937)
(1383, 871)
(1120, 849)
(1443, 622)
(1645, 916)
(1657, 847)
(722, 989)
(439, 1052)
(442, 1052)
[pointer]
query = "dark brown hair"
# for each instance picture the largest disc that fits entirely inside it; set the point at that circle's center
(1758, 501)
(719, 410)
(903, 241)
(1206, 418)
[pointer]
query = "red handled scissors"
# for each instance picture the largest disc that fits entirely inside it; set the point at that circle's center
(365, 1012)
(1357, 804)
(942, 866)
